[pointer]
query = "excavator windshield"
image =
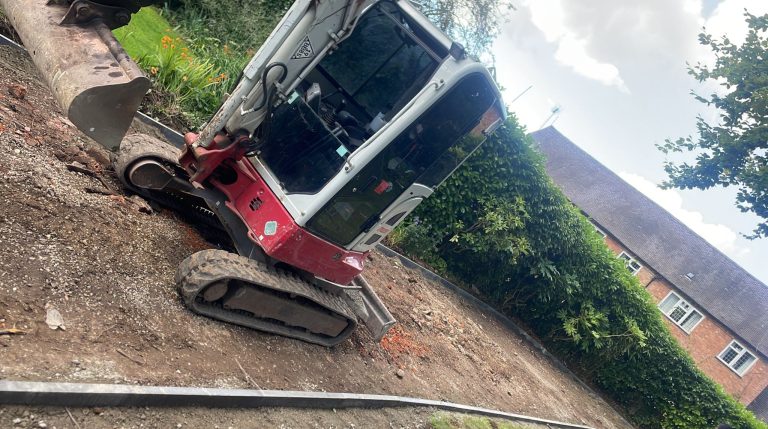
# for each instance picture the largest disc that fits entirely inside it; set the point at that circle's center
(383, 64)
(426, 152)
(354, 90)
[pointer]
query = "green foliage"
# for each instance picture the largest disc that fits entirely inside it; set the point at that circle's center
(142, 35)
(194, 86)
(501, 225)
(735, 151)
(197, 84)
(475, 23)
(457, 421)
(421, 243)
(194, 51)
(228, 53)
(242, 25)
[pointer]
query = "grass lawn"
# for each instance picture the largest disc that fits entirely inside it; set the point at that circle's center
(141, 37)
(459, 421)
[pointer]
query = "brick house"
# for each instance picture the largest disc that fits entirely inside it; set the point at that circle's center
(715, 309)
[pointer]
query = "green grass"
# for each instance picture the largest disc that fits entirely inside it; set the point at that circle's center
(193, 53)
(459, 421)
(142, 35)
(188, 85)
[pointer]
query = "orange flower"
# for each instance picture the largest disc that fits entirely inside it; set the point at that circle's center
(153, 70)
(166, 41)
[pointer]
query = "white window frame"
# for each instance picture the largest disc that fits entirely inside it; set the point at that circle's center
(687, 307)
(633, 266)
(739, 354)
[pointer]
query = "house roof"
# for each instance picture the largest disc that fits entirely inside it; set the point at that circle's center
(719, 286)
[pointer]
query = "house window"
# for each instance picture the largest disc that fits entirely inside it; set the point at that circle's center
(680, 312)
(632, 265)
(737, 358)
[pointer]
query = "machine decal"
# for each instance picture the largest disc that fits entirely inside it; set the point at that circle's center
(304, 51)
(342, 150)
(270, 228)
(383, 186)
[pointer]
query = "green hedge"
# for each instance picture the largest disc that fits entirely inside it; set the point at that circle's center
(501, 225)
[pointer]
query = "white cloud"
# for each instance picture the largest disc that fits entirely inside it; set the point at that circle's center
(720, 236)
(573, 52)
(728, 18)
(550, 18)
(693, 7)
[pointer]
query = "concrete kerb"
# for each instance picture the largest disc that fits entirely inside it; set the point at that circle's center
(120, 395)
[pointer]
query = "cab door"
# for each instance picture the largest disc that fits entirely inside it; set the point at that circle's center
(392, 217)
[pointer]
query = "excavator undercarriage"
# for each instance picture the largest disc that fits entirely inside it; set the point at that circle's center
(253, 291)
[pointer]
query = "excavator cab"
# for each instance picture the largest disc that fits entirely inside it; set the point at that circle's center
(346, 119)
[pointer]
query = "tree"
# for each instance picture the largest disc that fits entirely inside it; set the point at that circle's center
(735, 151)
(475, 24)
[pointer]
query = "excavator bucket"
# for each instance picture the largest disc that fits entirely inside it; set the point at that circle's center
(93, 79)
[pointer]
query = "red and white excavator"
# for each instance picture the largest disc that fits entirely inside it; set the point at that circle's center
(350, 114)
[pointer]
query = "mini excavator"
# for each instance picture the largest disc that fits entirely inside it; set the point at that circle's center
(350, 114)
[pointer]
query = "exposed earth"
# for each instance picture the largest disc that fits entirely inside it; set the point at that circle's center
(101, 418)
(73, 242)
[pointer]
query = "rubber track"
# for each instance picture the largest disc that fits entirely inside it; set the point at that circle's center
(208, 266)
(135, 147)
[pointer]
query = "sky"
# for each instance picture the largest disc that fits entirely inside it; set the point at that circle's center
(617, 71)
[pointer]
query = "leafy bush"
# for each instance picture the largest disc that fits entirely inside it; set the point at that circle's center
(236, 26)
(194, 55)
(191, 87)
(196, 84)
(501, 225)
(421, 243)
